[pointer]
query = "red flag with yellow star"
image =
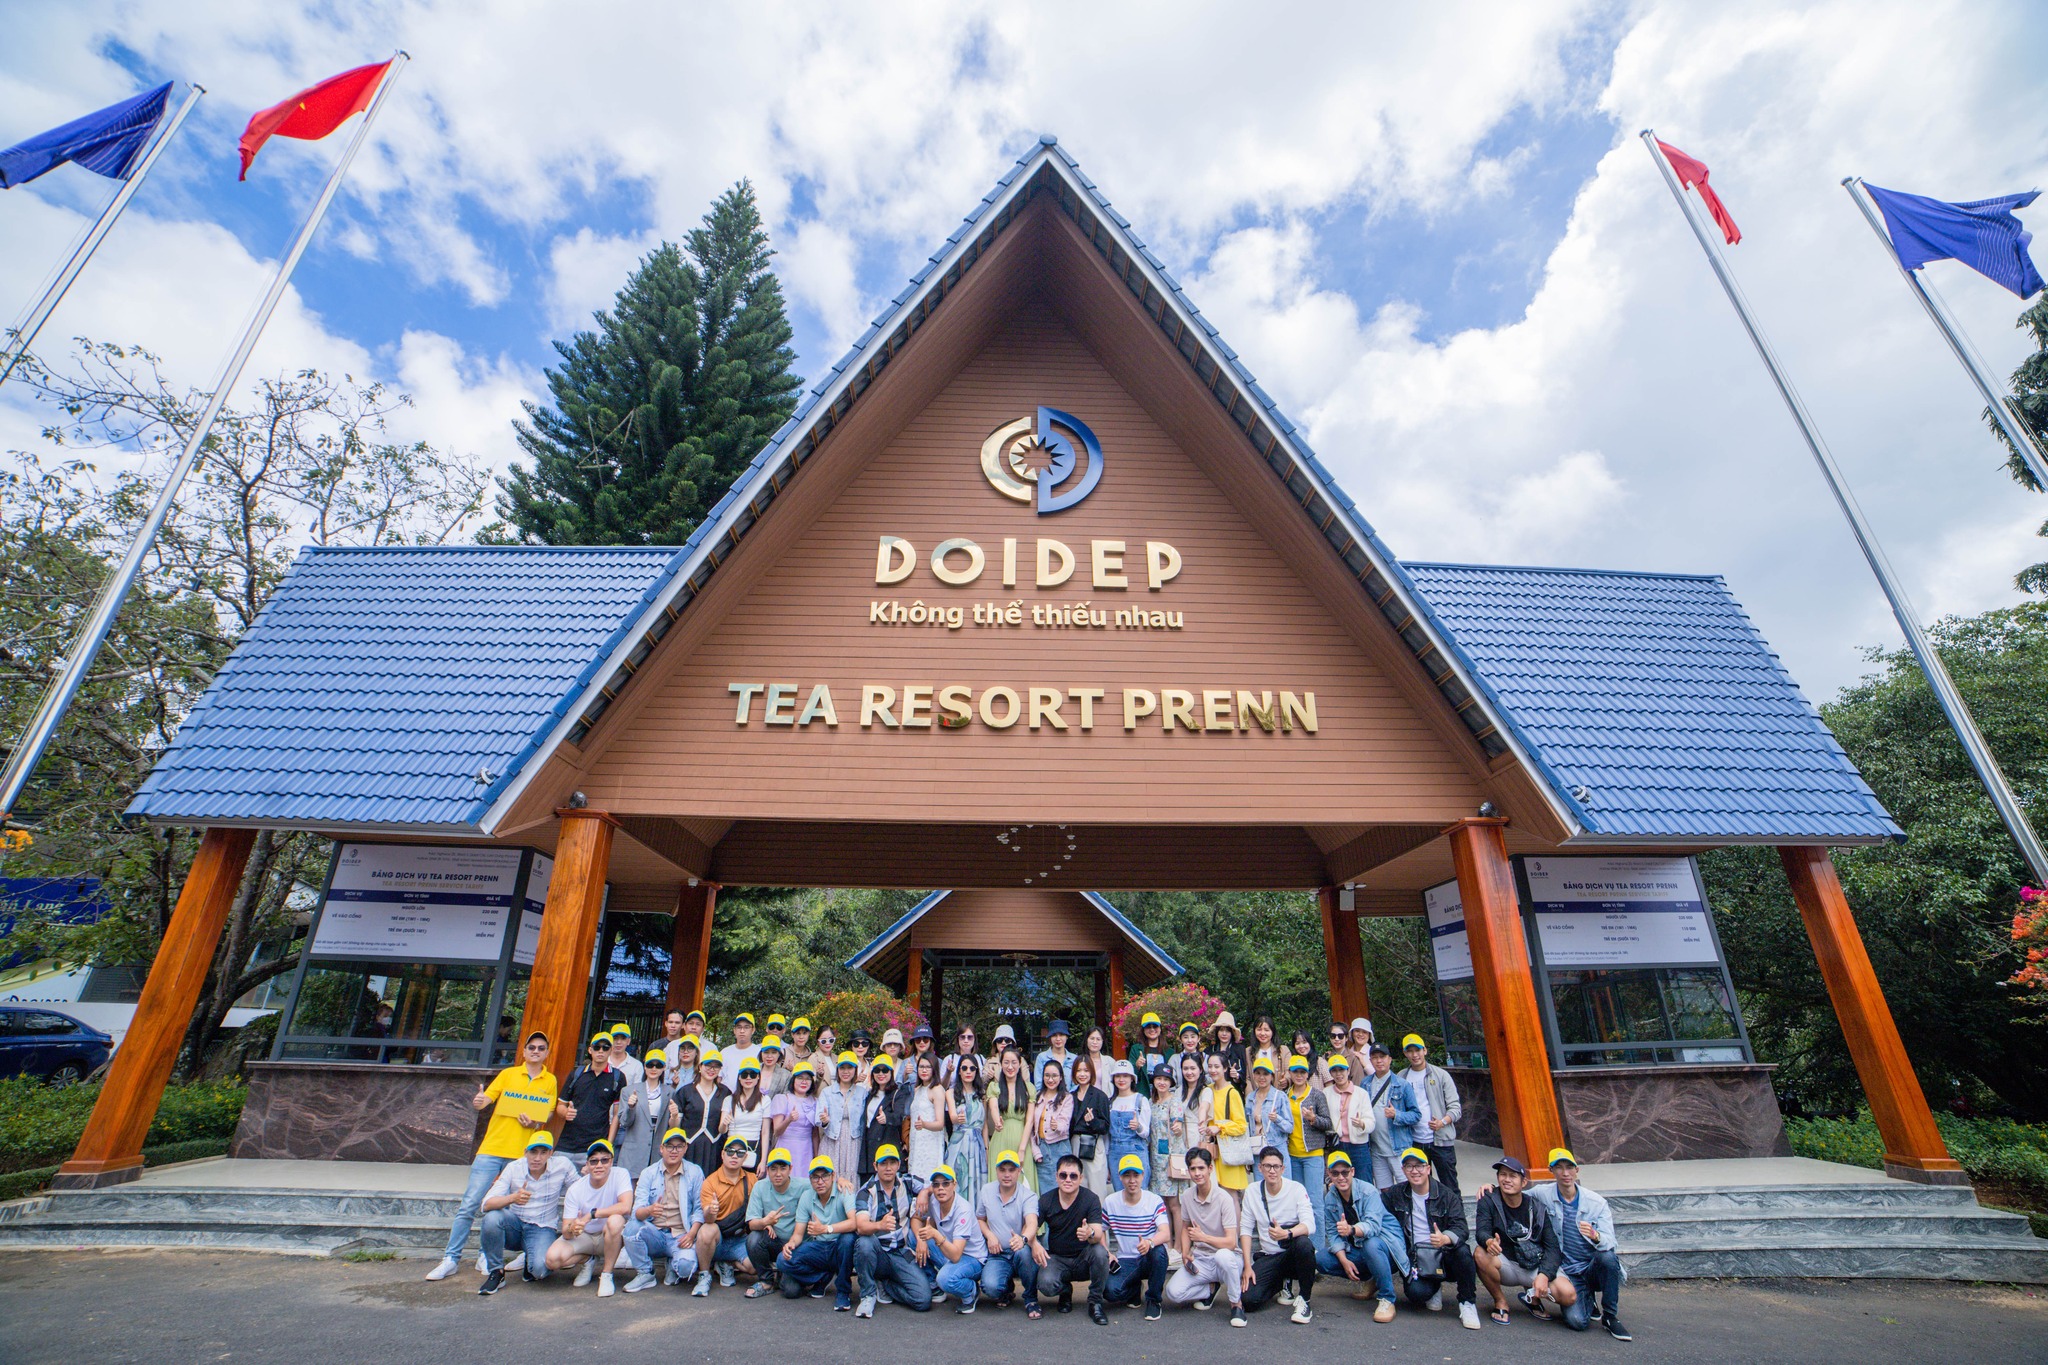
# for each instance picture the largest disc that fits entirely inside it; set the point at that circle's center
(314, 112)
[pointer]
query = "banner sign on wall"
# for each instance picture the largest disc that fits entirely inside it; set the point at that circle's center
(418, 903)
(1619, 912)
(1447, 932)
(531, 904)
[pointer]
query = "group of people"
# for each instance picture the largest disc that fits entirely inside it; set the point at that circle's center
(1211, 1168)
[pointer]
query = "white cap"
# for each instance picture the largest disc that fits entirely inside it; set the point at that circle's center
(894, 1035)
(1120, 1067)
(1005, 1031)
(1361, 1023)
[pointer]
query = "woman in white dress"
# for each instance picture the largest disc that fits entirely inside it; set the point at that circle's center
(927, 1119)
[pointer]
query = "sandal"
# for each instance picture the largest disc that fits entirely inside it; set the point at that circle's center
(1500, 1315)
(1034, 1312)
(1536, 1310)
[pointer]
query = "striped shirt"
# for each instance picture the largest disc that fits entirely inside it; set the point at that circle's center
(1130, 1222)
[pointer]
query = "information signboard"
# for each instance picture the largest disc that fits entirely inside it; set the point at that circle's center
(1447, 932)
(531, 904)
(1619, 912)
(418, 903)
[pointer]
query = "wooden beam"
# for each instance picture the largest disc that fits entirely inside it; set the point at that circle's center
(556, 992)
(913, 981)
(690, 957)
(1351, 950)
(1116, 1003)
(1516, 1054)
(110, 1150)
(1326, 903)
(1376, 847)
(938, 1014)
(1102, 998)
(669, 841)
(1913, 1148)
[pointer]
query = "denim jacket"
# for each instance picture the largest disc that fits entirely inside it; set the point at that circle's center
(1269, 1122)
(1372, 1221)
(1390, 1136)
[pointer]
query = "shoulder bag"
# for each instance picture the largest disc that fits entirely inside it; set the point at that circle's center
(1234, 1151)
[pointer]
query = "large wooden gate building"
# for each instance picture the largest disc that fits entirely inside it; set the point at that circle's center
(1038, 552)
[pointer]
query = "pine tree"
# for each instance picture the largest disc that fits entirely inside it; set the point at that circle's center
(657, 411)
(2030, 396)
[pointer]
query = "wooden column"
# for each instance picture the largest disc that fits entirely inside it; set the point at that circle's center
(1326, 902)
(1913, 1149)
(1116, 1003)
(568, 936)
(1344, 958)
(1101, 1000)
(913, 986)
(690, 956)
(1515, 1051)
(938, 1013)
(1354, 963)
(110, 1150)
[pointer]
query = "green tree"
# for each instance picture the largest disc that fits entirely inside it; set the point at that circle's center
(1937, 911)
(656, 412)
(308, 461)
(2030, 396)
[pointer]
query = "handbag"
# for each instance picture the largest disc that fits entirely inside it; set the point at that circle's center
(1235, 1151)
(1084, 1146)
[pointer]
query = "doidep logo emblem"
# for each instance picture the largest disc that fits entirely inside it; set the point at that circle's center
(1022, 453)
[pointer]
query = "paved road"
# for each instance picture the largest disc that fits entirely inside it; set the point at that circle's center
(115, 1306)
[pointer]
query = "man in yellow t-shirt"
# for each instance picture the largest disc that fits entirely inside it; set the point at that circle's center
(525, 1098)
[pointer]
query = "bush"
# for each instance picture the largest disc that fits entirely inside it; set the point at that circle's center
(17, 1184)
(2011, 1158)
(1178, 1003)
(875, 1011)
(39, 1125)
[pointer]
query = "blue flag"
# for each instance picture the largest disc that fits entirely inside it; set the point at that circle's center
(1983, 235)
(108, 141)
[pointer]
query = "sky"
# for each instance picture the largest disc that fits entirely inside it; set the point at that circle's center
(1430, 231)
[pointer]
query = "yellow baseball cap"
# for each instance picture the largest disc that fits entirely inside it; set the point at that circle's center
(803, 1068)
(541, 1142)
(887, 1152)
(772, 1040)
(1336, 1060)
(693, 1014)
(781, 1155)
(601, 1145)
(1298, 1064)
(1337, 1158)
(735, 1141)
(674, 1135)
(743, 1018)
(692, 1042)
(1263, 1064)
(776, 1021)
(1191, 1028)
(848, 1059)
(801, 1022)
(655, 1054)
(620, 1031)
(1008, 1158)
(600, 1039)
(1149, 1020)
(821, 1162)
(1130, 1161)
(939, 1172)
(1561, 1155)
(1412, 1040)
(1409, 1154)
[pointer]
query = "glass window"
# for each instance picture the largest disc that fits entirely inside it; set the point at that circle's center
(408, 1012)
(1635, 1016)
(47, 1025)
(1464, 1036)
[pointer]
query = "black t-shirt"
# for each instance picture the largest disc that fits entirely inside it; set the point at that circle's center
(1061, 1224)
(593, 1093)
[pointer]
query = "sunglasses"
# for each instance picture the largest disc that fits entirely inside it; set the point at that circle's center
(1070, 1175)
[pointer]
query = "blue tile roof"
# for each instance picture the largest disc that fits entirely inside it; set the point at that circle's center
(379, 682)
(1652, 704)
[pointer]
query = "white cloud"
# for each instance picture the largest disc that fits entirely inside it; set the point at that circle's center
(585, 270)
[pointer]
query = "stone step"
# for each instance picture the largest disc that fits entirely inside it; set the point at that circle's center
(201, 1204)
(1929, 1258)
(1754, 1227)
(1877, 1194)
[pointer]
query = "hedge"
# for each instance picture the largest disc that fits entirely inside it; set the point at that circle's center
(40, 1125)
(16, 1184)
(2008, 1157)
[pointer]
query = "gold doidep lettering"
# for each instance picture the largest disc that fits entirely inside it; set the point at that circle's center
(1041, 709)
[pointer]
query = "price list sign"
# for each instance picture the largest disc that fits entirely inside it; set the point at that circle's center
(418, 903)
(1619, 912)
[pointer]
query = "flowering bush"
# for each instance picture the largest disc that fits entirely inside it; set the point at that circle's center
(1175, 1004)
(2030, 931)
(875, 1011)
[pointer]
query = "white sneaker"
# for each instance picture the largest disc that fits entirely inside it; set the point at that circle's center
(866, 1308)
(726, 1275)
(1302, 1312)
(1468, 1315)
(483, 1267)
(1286, 1294)
(1436, 1302)
(605, 1289)
(515, 1264)
(583, 1276)
(443, 1269)
(938, 1296)
(644, 1280)
(703, 1285)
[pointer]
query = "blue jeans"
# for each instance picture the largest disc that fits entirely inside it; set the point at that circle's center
(1049, 1161)
(1604, 1274)
(1002, 1266)
(814, 1261)
(644, 1242)
(1131, 1270)
(502, 1226)
(1369, 1254)
(909, 1283)
(961, 1278)
(483, 1173)
(731, 1250)
(1309, 1171)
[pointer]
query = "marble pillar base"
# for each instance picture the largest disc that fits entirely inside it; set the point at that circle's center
(361, 1111)
(1648, 1113)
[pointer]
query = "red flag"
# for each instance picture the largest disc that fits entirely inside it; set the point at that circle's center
(1694, 173)
(314, 112)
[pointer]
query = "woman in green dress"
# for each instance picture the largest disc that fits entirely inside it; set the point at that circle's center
(1009, 1103)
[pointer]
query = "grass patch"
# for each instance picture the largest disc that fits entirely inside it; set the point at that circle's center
(359, 1257)
(2006, 1161)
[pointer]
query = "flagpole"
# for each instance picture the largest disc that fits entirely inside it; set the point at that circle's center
(24, 334)
(1938, 679)
(22, 760)
(2001, 407)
